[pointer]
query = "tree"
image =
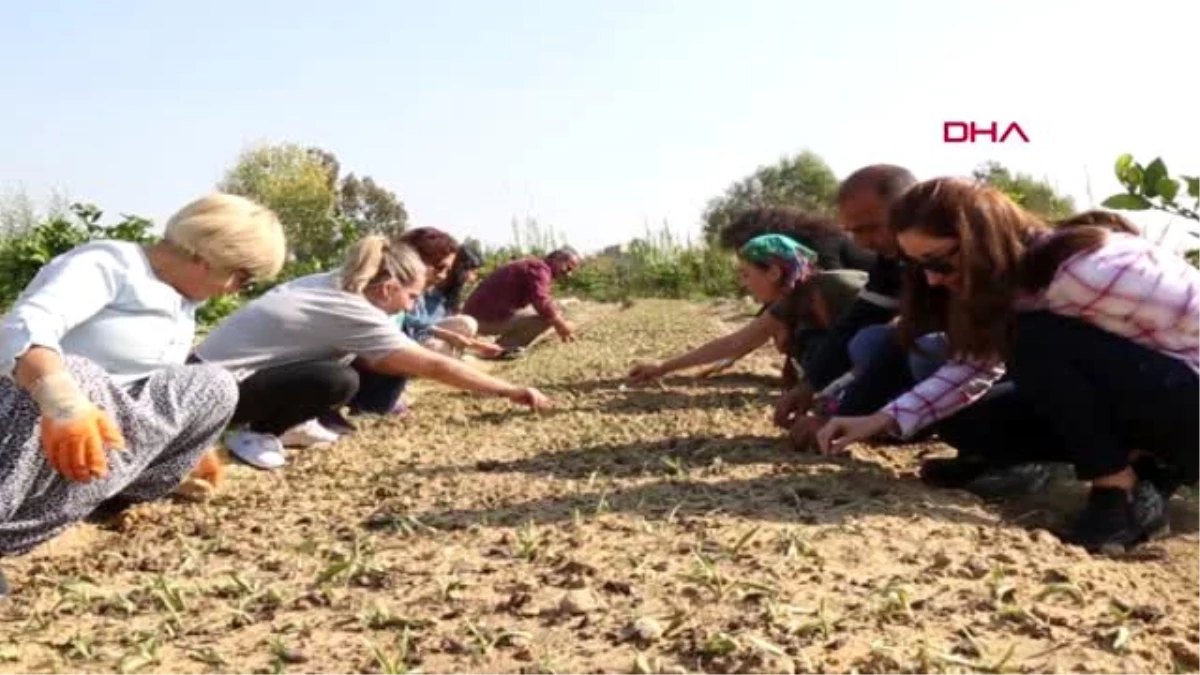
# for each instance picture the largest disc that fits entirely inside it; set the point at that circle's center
(804, 181)
(19, 213)
(373, 208)
(321, 210)
(1036, 195)
(294, 182)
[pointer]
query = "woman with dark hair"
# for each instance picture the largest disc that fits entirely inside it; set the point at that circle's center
(834, 249)
(800, 302)
(1096, 327)
(883, 369)
(465, 271)
(830, 247)
(426, 323)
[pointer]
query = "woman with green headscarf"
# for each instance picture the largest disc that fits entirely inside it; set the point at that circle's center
(801, 301)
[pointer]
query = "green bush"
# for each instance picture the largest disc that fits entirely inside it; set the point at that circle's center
(22, 254)
(658, 265)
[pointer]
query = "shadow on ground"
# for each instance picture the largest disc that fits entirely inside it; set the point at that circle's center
(683, 479)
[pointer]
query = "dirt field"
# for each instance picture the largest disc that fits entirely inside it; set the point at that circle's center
(663, 529)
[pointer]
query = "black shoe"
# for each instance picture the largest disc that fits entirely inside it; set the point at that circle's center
(1107, 522)
(1017, 480)
(1164, 480)
(109, 509)
(1150, 509)
(984, 479)
(336, 422)
(951, 473)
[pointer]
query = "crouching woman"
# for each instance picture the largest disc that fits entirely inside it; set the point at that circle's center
(292, 348)
(96, 402)
(1098, 329)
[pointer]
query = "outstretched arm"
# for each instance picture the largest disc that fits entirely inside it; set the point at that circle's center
(417, 361)
(734, 345)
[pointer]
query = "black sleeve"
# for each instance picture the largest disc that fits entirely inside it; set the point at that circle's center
(856, 257)
(878, 302)
(831, 359)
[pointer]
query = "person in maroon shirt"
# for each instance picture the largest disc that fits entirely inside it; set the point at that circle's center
(515, 303)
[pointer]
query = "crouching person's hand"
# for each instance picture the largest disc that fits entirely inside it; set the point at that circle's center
(530, 397)
(803, 432)
(76, 435)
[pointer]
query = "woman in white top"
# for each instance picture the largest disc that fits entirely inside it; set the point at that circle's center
(291, 348)
(96, 403)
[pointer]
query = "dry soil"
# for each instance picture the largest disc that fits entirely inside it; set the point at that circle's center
(657, 529)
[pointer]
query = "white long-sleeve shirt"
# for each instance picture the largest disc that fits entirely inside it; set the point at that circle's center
(102, 301)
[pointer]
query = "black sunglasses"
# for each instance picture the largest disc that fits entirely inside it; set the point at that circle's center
(941, 264)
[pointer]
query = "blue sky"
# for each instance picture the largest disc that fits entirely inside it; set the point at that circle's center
(597, 117)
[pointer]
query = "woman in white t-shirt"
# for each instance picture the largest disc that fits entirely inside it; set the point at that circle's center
(291, 349)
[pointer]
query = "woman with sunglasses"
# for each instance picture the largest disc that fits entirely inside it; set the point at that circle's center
(426, 322)
(882, 369)
(800, 301)
(1096, 328)
(97, 405)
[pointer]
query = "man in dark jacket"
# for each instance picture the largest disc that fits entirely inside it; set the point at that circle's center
(863, 201)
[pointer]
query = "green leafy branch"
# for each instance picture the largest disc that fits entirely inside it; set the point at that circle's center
(1152, 187)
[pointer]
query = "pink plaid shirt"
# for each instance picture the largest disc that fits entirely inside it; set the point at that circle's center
(1130, 287)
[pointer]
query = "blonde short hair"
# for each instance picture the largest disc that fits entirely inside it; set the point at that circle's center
(230, 232)
(374, 258)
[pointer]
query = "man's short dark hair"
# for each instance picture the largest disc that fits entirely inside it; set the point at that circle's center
(563, 252)
(886, 181)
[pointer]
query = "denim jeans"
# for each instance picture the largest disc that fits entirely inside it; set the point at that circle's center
(873, 341)
(883, 370)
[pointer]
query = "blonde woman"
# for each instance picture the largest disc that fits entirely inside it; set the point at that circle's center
(96, 402)
(292, 349)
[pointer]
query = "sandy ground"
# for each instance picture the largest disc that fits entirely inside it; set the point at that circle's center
(663, 529)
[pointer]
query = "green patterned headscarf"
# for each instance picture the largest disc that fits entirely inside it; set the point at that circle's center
(796, 258)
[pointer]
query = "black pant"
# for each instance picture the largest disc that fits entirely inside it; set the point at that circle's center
(274, 400)
(1002, 427)
(1105, 396)
(377, 393)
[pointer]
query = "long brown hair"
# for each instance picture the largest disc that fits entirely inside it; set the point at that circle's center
(993, 232)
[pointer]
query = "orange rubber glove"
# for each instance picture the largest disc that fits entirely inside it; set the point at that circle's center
(76, 435)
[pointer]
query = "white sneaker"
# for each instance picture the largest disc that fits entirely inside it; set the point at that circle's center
(307, 435)
(261, 450)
